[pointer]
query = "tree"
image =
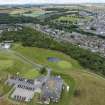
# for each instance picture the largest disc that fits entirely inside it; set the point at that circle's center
(43, 70)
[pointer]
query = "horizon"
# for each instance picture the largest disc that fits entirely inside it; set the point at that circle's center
(33, 2)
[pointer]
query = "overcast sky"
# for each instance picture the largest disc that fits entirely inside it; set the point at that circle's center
(47, 1)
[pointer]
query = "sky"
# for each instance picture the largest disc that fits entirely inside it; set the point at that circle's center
(48, 1)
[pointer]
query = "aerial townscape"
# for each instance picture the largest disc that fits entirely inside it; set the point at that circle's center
(52, 53)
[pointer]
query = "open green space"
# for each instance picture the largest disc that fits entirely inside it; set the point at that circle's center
(64, 64)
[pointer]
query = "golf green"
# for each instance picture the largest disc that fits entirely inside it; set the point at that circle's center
(64, 64)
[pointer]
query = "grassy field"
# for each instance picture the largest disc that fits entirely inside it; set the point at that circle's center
(32, 12)
(68, 18)
(89, 86)
(25, 10)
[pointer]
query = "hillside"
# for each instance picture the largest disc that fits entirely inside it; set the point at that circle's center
(86, 88)
(89, 87)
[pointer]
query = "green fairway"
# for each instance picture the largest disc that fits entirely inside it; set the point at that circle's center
(64, 64)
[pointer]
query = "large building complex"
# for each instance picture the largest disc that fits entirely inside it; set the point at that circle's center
(50, 88)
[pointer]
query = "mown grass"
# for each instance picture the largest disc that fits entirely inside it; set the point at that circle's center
(64, 64)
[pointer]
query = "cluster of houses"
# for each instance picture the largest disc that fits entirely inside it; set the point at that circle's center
(49, 87)
(97, 24)
(93, 43)
(10, 27)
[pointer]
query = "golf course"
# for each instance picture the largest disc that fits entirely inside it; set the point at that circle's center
(86, 88)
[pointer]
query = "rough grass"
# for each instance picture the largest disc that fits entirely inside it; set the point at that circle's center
(5, 63)
(90, 86)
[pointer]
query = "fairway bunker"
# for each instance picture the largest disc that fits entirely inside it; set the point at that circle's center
(53, 59)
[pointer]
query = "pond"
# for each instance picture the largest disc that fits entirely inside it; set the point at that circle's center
(53, 59)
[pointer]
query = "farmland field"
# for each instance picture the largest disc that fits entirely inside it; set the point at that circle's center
(34, 14)
(30, 12)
